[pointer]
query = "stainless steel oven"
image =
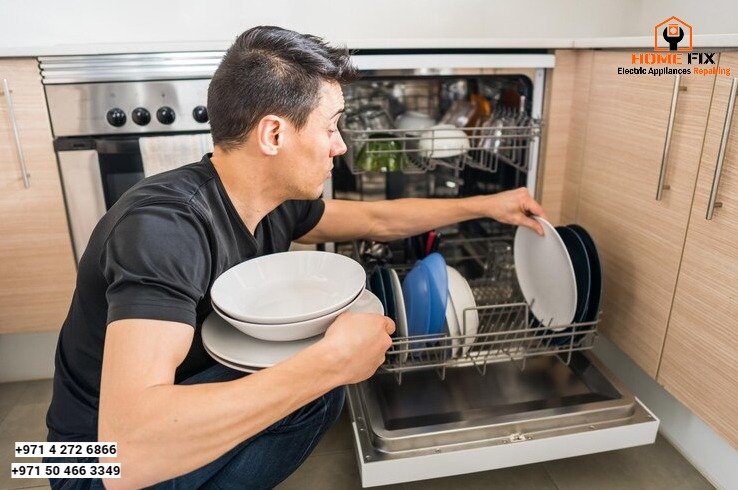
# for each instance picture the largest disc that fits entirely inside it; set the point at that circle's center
(520, 393)
(102, 110)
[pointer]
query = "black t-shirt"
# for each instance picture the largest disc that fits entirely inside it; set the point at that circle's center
(155, 254)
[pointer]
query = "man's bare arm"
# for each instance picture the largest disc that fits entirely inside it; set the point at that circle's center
(400, 218)
(165, 430)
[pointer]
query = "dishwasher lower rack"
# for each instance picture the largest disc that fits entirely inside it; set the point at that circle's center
(504, 333)
(431, 428)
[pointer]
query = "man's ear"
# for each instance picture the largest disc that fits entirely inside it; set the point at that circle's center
(270, 134)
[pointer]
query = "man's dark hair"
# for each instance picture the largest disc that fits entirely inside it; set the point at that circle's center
(270, 70)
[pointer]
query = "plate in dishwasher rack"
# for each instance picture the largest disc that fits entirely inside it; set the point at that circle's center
(461, 297)
(231, 345)
(580, 261)
(595, 265)
(400, 313)
(546, 275)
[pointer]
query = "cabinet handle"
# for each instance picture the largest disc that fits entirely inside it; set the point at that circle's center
(712, 204)
(667, 142)
(18, 148)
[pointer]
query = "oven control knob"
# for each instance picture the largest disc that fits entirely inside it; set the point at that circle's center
(141, 116)
(165, 115)
(200, 113)
(116, 117)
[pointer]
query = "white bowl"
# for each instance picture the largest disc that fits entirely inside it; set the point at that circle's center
(414, 121)
(288, 287)
(443, 141)
(280, 332)
(226, 342)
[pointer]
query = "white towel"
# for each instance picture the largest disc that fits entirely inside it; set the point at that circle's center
(162, 153)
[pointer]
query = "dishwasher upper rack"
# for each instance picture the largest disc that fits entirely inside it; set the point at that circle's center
(387, 150)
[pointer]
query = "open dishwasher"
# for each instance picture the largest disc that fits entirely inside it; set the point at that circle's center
(518, 392)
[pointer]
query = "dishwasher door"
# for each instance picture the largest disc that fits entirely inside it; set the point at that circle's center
(428, 427)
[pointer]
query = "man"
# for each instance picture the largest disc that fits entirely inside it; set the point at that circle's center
(130, 366)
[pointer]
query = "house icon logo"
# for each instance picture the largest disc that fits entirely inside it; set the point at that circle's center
(672, 34)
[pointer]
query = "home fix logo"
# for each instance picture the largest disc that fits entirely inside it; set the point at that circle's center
(673, 34)
(673, 54)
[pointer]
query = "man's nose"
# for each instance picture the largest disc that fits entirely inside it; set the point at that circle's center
(339, 147)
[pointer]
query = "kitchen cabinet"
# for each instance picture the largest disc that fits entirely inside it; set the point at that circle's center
(700, 359)
(630, 120)
(671, 274)
(563, 133)
(36, 256)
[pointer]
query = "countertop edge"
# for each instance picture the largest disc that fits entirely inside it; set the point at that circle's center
(702, 41)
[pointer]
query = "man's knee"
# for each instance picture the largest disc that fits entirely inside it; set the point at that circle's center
(320, 413)
(334, 401)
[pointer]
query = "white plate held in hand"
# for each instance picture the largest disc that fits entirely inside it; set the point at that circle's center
(234, 366)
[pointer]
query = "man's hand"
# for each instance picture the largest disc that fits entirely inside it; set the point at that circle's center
(356, 344)
(513, 207)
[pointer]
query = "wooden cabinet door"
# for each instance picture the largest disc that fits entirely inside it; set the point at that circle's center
(640, 238)
(700, 359)
(38, 268)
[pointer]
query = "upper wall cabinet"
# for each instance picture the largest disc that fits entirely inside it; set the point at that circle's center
(38, 268)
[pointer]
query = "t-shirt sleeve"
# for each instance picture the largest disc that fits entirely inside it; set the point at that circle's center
(307, 215)
(157, 264)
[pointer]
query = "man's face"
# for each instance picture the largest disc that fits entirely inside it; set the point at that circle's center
(309, 152)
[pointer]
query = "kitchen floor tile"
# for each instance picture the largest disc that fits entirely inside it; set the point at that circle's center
(530, 477)
(38, 391)
(24, 422)
(10, 393)
(334, 471)
(655, 466)
(340, 471)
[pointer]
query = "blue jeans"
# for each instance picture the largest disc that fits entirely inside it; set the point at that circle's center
(262, 461)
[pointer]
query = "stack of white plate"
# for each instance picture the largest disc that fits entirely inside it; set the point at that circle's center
(271, 307)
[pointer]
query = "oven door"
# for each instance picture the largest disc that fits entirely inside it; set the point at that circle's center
(95, 172)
